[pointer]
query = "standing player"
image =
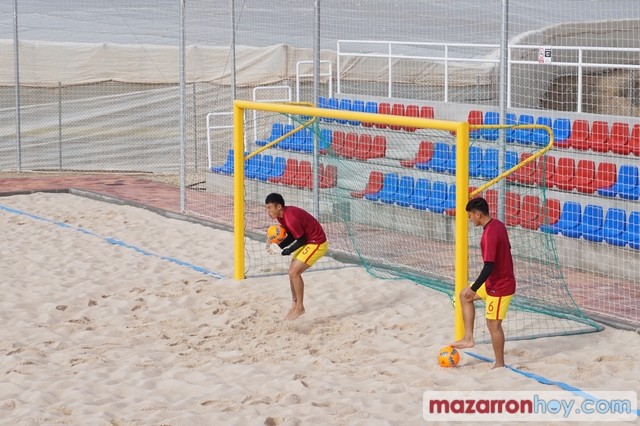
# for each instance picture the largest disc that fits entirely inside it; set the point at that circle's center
(496, 283)
(305, 239)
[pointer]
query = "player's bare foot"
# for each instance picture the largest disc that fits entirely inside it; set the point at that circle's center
(294, 313)
(463, 344)
(495, 366)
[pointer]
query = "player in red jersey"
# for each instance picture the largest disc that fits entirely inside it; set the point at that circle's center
(496, 283)
(305, 240)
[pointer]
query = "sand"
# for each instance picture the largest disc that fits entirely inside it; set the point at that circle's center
(109, 318)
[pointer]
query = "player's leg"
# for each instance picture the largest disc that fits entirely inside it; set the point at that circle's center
(468, 316)
(495, 312)
(302, 260)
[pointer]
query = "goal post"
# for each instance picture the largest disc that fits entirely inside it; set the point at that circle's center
(430, 244)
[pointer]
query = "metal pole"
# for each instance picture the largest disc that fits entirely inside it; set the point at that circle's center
(59, 126)
(182, 110)
(16, 62)
(195, 128)
(316, 94)
(504, 66)
(233, 51)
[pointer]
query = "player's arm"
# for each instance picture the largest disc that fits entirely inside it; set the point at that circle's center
(290, 244)
(484, 274)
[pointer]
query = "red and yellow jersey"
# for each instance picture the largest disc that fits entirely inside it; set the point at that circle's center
(299, 222)
(496, 248)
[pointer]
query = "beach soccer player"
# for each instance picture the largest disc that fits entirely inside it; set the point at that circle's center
(496, 283)
(306, 242)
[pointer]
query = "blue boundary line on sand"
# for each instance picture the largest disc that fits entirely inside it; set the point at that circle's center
(115, 241)
(544, 380)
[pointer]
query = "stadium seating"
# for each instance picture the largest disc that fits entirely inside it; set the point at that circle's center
(304, 178)
(530, 214)
(370, 107)
(489, 165)
(411, 111)
(545, 171)
(356, 106)
(397, 109)
(363, 147)
(524, 136)
(326, 139)
(591, 225)
(540, 137)
(578, 137)
(632, 234)
(328, 176)
(550, 216)
(279, 164)
(606, 177)
(510, 161)
(374, 185)
(227, 167)
(510, 120)
(378, 147)
(383, 108)
(276, 132)
(598, 139)
(491, 196)
(345, 105)
(439, 160)
(437, 202)
(474, 117)
(475, 161)
(266, 165)
(288, 176)
(627, 186)
(427, 112)
(569, 222)
(424, 154)
(526, 174)
(405, 191)
(619, 138)
(490, 118)
(585, 178)
(565, 173)
(512, 210)
(634, 140)
(389, 188)
(421, 194)
(614, 227)
(561, 131)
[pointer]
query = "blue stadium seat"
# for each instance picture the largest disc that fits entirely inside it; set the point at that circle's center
(628, 185)
(277, 170)
(451, 164)
(489, 165)
(475, 161)
(561, 130)
(357, 106)
(266, 166)
(450, 202)
(632, 234)
(523, 136)
(286, 143)
(511, 159)
(345, 105)
(227, 167)
(304, 141)
(389, 188)
(540, 137)
(438, 198)
(405, 191)
(276, 131)
(592, 221)
(252, 166)
(326, 137)
(570, 219)
(510, 119)
(440, 159)
(421, 194)
(490, 118)
(614, 227)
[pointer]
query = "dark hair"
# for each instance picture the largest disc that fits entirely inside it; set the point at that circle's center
(478, 204)
(274, 198)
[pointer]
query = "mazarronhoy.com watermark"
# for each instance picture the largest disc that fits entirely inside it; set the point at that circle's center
(478, 406)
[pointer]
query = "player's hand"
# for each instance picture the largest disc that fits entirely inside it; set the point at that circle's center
(286, 252)
(467, 293)
(272, 248)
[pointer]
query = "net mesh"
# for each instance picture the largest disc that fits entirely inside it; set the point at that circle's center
(386, 197)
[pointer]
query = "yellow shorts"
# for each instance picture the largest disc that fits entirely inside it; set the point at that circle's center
(496, 306)
(310, 253)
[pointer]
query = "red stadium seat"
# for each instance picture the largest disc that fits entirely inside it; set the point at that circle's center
(425, 152)
(599, 136)
(546, 170)
(634, 140)
(290, 173)
(328, 176)
(619, 139)
(350, 145)
(512, 210)
(550, 211)
(304, 178)
(337, 143)
(607, 175)
(491, 196)
(527, 173)
(578, 137)
(363, 148)
(383, 108)
(397, 109)
(565, 172)
(585, 179)
(411, 111)
(427, 112)
(379, 147)
(530, 212)
(373, 185)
